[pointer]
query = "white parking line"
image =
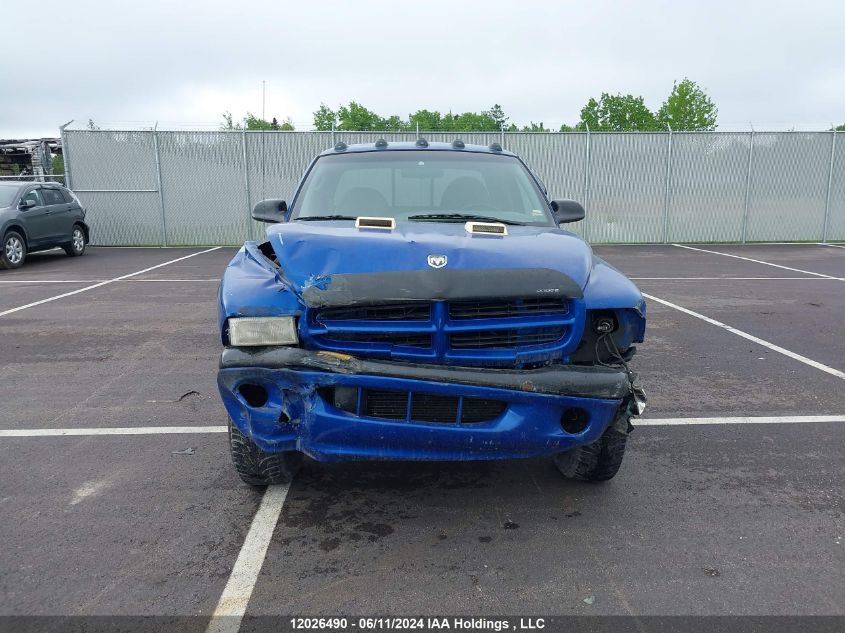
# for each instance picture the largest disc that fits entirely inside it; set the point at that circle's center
(103, 283)
(751, 337)
(758, 261)
(833, 245)
(88, 281)
(232, 605)
(173, 430)
(781, 419)
(125, 430)
(734, 278)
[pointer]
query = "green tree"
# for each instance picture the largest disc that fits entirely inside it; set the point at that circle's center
(567, 128)
(687, 108)
(427, 120)
(325, 118)
(617, 113)
(393, 124)
(534, 127)
(470, 122)
(255, 123)
(497, 114)
(57, 164)
(840, 128)
(356, 117)
(228, 123)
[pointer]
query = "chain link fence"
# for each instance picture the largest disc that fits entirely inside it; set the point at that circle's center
(192, 188)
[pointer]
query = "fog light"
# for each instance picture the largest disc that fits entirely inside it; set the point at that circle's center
(604, 324)
(574, 420)
(255, 395)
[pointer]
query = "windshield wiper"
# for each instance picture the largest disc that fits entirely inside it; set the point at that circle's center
(461, 217)
(316, 218)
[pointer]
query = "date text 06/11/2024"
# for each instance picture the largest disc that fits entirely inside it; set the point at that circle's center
(418, 624)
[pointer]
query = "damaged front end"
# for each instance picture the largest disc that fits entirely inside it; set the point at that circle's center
(434, 364)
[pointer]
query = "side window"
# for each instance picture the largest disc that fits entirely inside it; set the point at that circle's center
(67, 196)
(35, 196)
(52, 196)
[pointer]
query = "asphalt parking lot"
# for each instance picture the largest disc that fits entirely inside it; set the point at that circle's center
(730, 500)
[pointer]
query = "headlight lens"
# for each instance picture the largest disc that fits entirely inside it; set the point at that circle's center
(260, 331)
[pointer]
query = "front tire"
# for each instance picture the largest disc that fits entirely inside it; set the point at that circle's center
(598, 461)
(76, 247)
(258, 468)
(13, 253)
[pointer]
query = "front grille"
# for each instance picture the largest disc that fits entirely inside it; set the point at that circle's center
(497, 339)
(522, 332)
(389, 405)
(424, 407)
(393, 338)
(388, 312)
(502, 309)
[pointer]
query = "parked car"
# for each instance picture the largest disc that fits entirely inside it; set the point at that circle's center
(36, 216)
(420, 301)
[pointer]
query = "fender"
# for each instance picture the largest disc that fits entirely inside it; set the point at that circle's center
(253, 286)
(607, 288)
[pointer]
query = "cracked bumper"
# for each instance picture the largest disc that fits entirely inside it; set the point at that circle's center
(296, 417)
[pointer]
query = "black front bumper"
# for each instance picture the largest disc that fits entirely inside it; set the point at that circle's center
(570, 380)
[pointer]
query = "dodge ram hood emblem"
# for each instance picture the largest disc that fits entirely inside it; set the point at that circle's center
(437, 261)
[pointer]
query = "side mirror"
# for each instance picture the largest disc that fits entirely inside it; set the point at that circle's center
(27, 204)
(567, 211)
(271, 211)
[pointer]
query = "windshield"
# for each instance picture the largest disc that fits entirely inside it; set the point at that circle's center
(424, 186)
(8, 193)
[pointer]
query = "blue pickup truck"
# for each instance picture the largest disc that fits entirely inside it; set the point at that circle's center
(420, 301)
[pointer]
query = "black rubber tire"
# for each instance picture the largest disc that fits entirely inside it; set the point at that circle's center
(75, 248)
(258, 468)
(5, 262)
(598, 461)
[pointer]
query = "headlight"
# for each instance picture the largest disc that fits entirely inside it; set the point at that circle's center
(260, 331)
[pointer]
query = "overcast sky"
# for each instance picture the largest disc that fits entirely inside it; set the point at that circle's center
(779, 65)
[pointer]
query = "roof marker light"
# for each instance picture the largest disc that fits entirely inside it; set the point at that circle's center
(458, 144)
(340, 147)
(381, 143)
(495, 147)
(421, 142)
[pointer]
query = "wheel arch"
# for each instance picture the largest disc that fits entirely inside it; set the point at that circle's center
(85, 229)
(17, 228)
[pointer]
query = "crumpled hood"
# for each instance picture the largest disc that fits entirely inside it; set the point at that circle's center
(311, 253)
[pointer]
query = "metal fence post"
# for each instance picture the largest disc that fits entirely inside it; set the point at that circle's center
(587, 160)
(160, 191)
(668, 188)
(502, 143)
(65, 153)
(748, 187)
(246, 185)
(333, 143)
(829, 185)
